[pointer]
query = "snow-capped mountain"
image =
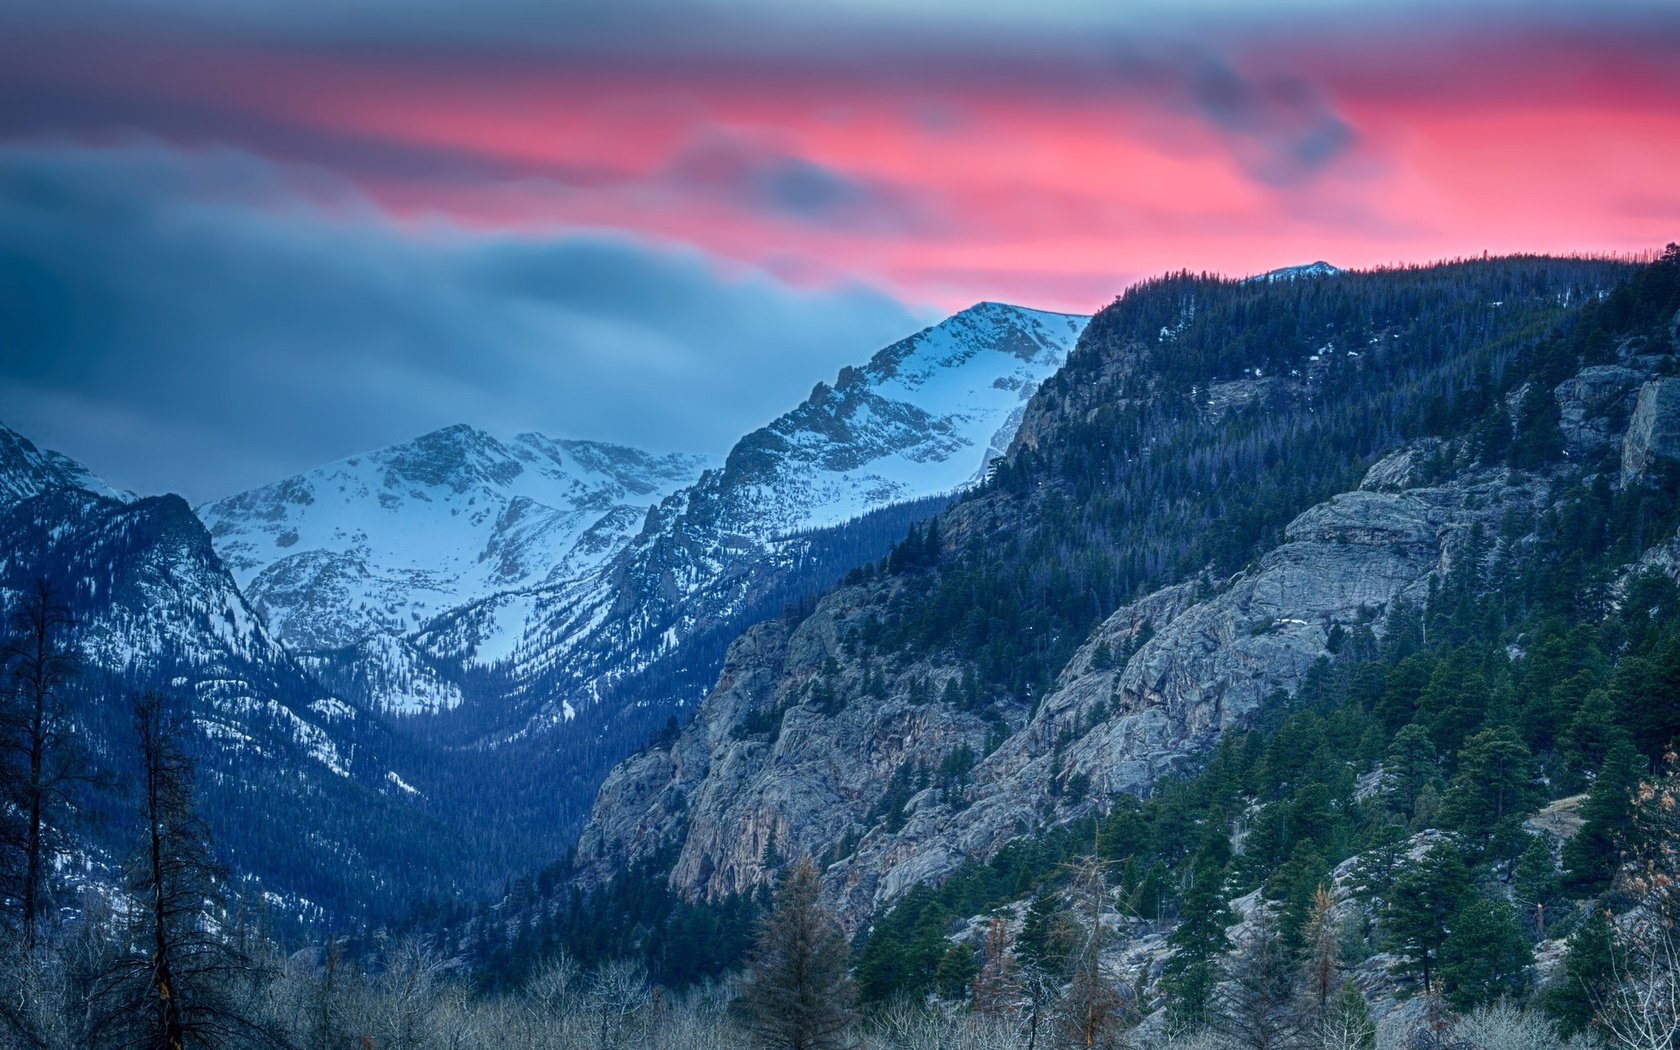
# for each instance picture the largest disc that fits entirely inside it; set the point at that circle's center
(923, 418)
(1290, 273)
(353, 556)
(28, 470)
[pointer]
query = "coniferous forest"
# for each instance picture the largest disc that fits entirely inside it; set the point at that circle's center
(1461, 829)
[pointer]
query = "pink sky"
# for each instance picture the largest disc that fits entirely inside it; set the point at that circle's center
(1052, 176)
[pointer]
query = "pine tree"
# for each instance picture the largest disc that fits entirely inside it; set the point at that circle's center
(1589, 969)
(797, 994)
(1496, 784)
(1591, 857)
(1410, 765)
(1485, 956)
(1424, 897)
(1190, 973)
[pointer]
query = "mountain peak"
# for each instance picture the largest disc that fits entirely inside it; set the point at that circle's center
(1318, 268)
(27, 470)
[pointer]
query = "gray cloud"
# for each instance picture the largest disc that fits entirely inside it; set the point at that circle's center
(751, 172)
(206, 321)
(1283, 131)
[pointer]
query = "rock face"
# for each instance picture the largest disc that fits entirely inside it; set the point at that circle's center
(1653, 432)
(765, 769)
(1593, 406)
(874, 736)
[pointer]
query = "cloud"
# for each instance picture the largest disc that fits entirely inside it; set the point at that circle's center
(1283, 130)
(241, 318)
(752, 172)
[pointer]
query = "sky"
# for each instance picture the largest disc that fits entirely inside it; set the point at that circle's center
(241, 239)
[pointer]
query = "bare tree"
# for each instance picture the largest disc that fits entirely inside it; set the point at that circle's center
(1642, 1009)
(34, 720)
(175, 991)
(797, 994)
(1345, 1023)
(407, 991)
(1092, 1008)
(1320, 975)
(1506, 1026)
(1255, 1003)
(998, 988)
(616, 992)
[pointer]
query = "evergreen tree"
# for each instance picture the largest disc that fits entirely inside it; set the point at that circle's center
(1589, 970)
(1484, 956)
(1496, 785)
(796, 994)
(1197, 941)
(1590, 858)
(1424, 897)
(1410, 765)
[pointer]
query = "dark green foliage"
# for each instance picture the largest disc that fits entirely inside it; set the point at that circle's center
(1410, 765)
(635, 915)
(1485, 956)
(1591, 857)
(1425, 896)
(1136, 488)
(1496, 785)
(955, 972)
(1198, 941)
(1588, 973)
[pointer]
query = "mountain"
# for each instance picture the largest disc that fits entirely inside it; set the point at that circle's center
(1290, 273)
(530, 578)
(795, 504)
(1226, 482)
(27, 470)
(355, 555)
(155, 608)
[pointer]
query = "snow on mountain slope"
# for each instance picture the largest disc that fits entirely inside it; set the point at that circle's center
(923, 417)
(356, 554)
(28, 470)
(1290, 273)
